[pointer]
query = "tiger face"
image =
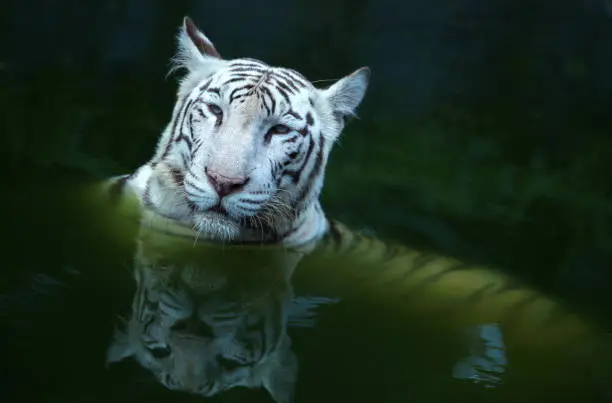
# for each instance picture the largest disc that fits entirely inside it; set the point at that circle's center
(247, 144)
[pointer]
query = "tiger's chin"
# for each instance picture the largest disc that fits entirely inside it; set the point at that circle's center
(216, 227)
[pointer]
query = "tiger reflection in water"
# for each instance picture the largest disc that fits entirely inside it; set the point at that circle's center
(206, 328)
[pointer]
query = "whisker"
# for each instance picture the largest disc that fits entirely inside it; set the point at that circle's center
(196, 236)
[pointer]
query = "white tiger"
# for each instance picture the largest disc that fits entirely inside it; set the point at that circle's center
(243, 157)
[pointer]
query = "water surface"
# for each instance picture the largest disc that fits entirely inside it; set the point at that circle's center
(66, 285)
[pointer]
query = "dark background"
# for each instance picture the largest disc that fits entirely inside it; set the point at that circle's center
(485, 133)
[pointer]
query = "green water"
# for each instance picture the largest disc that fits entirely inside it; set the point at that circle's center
(65, 284)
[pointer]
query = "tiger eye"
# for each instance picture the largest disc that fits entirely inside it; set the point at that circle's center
(279, 129)
(215, 109)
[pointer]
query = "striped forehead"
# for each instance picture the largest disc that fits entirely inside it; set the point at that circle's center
(274, 89)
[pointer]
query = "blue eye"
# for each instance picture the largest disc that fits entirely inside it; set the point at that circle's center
(279, 129)
(215, 109)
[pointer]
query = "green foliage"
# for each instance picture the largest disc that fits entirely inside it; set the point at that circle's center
(469, 178)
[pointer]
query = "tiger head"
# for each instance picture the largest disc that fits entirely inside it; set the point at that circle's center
(207, 328)
(247, 144)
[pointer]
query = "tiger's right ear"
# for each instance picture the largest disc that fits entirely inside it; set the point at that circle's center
(198, 39)
(195, 51)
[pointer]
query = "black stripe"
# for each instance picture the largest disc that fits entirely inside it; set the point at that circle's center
(233, 80)
(255, 64)
(479, 294)
(261, 325)
(185, 114)
(314, 173)
(178, 176)
(177, 138)
(146, 197)
(264, 103)
(295, 175)
(245, 68)
(184, 160)
(246, 75)
(356, 241)
(293, 113)
(299, 77)
(304, 131)
(244, 87)
(187, 140)
(309, 119)
(439, 275)
(293, 78)
(197, 147)
(194, 185)
(284, 95)
(290, 139)
(201, 113)
(173, 130)
(204, 86)
(267, 92)
(278, 83)
(391, 252)
(280, 78)
(336, 235)
(422, 261)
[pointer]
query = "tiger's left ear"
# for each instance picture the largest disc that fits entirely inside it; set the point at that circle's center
(195, 51)
(347, 93)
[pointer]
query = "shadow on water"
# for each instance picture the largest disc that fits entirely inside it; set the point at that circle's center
(123, 311)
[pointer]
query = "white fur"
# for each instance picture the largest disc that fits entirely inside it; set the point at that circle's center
(236, 148)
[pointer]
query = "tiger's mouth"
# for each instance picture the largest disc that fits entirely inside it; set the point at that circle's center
(219, 209)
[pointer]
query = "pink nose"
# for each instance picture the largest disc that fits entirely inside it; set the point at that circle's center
(224, 185)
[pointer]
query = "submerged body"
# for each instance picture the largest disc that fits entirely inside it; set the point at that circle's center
(503, 324)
